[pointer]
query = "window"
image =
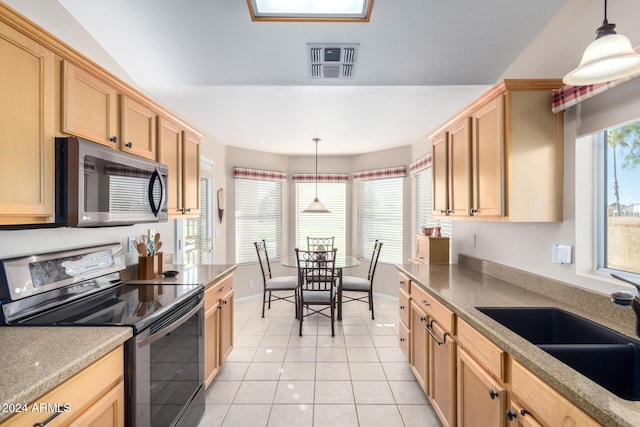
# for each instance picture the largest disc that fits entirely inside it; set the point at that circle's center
(258, 216)
(619, 201)
(197, 233)
(333, 196)
(424, 204)
(380, 217)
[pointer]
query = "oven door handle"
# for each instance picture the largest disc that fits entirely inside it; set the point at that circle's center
(173, 326)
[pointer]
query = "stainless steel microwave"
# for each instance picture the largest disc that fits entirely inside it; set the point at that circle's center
(97, 186)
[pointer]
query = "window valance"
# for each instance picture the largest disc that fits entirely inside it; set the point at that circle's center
(568, 96)
(395, 172)
(258, 174)
(322, 177)
(419, 165)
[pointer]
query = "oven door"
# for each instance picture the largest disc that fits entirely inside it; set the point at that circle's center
(166, 369)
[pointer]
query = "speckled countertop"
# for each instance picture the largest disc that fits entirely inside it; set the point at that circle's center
(37, 359)
(207, 275)
(481, 284)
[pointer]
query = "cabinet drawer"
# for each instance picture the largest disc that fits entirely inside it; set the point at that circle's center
(403, 331)
(546, 405)
(405, 284)
(213, 294)
(404, 307)
(436, 311)
(482, 349)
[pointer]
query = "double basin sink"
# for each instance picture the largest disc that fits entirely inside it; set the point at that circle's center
(603, 355)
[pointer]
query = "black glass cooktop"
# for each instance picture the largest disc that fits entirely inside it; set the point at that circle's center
(123, 305)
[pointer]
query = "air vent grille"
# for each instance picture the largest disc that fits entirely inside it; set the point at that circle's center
(332, 61)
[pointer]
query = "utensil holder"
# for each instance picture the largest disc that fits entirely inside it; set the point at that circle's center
(148, 266)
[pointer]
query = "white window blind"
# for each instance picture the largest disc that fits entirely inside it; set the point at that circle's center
(258, 216)
(334, 196)
(380, 217)
(424, 203)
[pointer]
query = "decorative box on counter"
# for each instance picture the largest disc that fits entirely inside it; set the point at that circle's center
(149, 266)
(431, 250)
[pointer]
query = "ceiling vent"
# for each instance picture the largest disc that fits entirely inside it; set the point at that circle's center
(332, 61)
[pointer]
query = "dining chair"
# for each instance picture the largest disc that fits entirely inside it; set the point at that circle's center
(320, 243)
(273, 284)
(360, 284)
(317, 284)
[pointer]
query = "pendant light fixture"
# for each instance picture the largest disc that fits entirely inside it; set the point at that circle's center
(316, 206)
(609, 57)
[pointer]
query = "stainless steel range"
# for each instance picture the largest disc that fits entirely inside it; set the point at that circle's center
(164, 359)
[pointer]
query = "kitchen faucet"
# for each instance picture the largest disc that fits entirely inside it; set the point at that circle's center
(628, 298)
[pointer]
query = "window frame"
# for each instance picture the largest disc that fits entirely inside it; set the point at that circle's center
(302, 203)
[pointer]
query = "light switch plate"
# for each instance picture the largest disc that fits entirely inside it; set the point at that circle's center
(561, 254)
(130, 243)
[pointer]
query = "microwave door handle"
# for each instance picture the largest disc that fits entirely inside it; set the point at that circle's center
(155, 208)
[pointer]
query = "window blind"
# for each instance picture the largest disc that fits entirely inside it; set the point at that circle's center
(380, 217)
(258, 216)
(424, 203)
(334, 196)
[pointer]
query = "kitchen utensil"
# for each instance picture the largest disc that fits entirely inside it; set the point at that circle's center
(142, 249)
(156, 241)
(158, 246)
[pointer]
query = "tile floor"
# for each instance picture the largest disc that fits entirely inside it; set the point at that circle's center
(273, 377)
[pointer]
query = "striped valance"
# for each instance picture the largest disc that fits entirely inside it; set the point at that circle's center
(322, 177)
(568, 96)
(259, 174)
(396, 172)
(419, 165)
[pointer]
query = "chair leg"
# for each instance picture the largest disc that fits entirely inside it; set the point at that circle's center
(333, 309)
(371, 304)
(269, 300)
(264, 297)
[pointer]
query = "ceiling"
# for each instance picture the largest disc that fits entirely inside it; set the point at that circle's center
(246, 83)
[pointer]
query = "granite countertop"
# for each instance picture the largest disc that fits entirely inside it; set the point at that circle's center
(462, 288)
(37, 359)
(207, 275)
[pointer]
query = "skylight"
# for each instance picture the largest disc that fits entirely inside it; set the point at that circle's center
(310, 10)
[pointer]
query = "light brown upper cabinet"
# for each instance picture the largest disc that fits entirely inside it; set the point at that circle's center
(180, 151)
(26, 129)
(514, 160)
(89, 106)
(138, 128)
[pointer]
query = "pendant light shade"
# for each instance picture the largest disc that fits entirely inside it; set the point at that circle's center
(316, 206)
(609, 57)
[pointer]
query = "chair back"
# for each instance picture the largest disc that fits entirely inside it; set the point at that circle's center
(374, 260)
(316, 270)
(263, 258)
(320, 243)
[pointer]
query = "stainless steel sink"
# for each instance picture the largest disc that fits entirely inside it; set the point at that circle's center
(603, 355)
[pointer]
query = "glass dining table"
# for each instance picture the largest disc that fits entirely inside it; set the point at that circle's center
(342, 262)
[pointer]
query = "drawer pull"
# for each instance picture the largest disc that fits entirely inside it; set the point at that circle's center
(222, 289)
(402, 307)
(129, 144)
(422, 319)
(425, 303)
(114, 139)
(511, 415)
(493, 394)
(48, 420)
(433, 335)
(403, 339)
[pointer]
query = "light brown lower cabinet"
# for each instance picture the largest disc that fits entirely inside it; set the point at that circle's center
(419, 344)
(442, 375)
(481, 399)
(92, 397)
(520, 417)
(218, 327)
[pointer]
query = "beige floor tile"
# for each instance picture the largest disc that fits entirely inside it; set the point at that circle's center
(355, 330)
(220, 392)
(232, 371)
(213, 415)
(302, 341)
(325, 341)
(325, 330)
(352, 320)
(391, 354)
(270, 354)
(335, 416)
(300, 415)
(247, 415)
(278, 330)
(382, 329)
(408, 393)
(263, 371)
(298, 371)
(362, 354)
(248, 340)
(385, 341)
(358, 341)
(372, 393)
(331, 355)
(333, 392)
(367, 371)
(300, 392)
(275, 341)
(379, 416)
(256, 392)
(398, 371)
(302, 354)
(419, 416)
(332, 371)
(241, 354)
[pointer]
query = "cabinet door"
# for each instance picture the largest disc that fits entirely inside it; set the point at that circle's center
(488, 159)
(170, 154)
(138, 128)
(442, 375)
(211, 343)
(191, 174)
(419, 345)
(481, 399)
(89, 106)
(405, 336)
(108, 411)
(226, 325)
(26, 129)
(440, 173)
(518, 417)
(460, 169)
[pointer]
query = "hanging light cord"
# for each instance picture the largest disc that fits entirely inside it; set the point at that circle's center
(605, 29)
(316, 140)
